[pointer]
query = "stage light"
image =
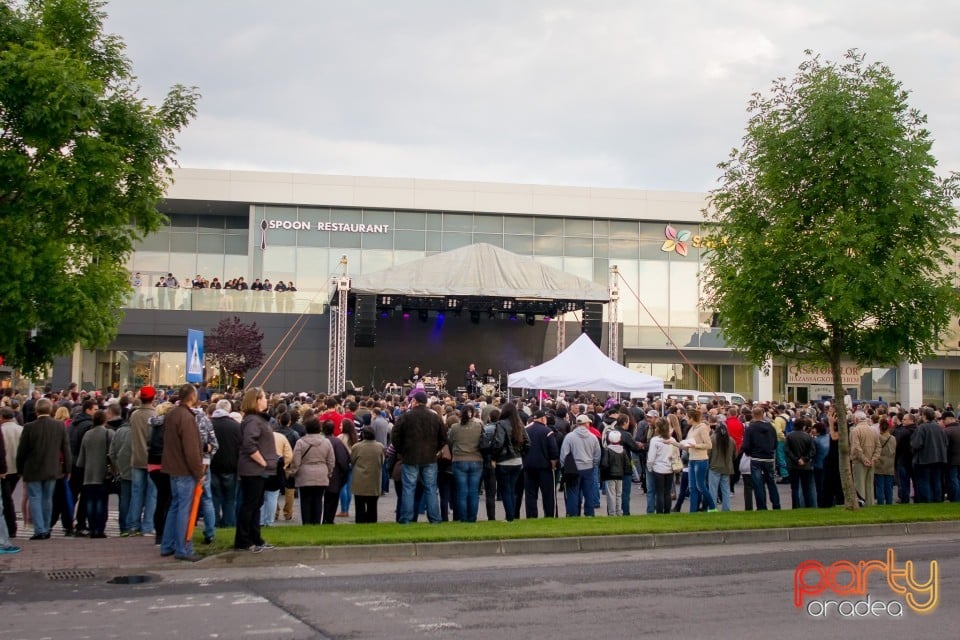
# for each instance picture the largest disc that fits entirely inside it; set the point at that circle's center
(384, 314)
(513, 317)
(531, 319)
(475, 317)
(406, 316)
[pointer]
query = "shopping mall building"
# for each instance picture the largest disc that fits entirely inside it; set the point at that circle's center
(298, 228)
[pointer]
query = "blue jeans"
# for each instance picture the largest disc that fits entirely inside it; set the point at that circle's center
(803, 484)
(720, 481)
(905, 476)
(651, 493)
(596, 486)
(143, 502)
(268, 510)
(427, 474)
(953, 483)
(507, 476)
(625, 498)
(206, 508)
(126, 487)
(762, 475)
(929, 487)
(223, 489)
(96, 507)
(467, 475)
(698, 485)
(883, 489)
(178, 517)
(40, 497)
(345, 493)
(581, 492)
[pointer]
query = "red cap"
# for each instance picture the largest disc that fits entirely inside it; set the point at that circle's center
(147, 394)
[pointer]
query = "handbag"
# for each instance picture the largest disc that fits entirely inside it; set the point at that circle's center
(444, 454)
(676, 464)
(569, 465)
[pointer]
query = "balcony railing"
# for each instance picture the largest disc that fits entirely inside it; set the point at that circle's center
(182, 299)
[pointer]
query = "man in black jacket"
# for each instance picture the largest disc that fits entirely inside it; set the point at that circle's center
(43, 458)
(903, 459)
(418, 437)
(223, 465)
(929, 444)
(760, 443)
(800, 450)
(538, 464)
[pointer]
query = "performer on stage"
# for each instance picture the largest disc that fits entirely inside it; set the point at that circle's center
(489, 378)
(414, 376)
(471, 380)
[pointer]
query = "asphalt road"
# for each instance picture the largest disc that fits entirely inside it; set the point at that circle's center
(730, 591)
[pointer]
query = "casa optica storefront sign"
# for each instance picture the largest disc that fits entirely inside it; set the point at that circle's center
(813, 374)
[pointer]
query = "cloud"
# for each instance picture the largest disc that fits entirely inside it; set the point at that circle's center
(610, 93)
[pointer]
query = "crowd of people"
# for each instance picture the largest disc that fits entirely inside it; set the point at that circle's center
(200, 282)
(256, 455)
(198, 292)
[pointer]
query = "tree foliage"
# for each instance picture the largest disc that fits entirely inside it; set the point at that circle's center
(235, 346)
(83, 163)
(838, 234)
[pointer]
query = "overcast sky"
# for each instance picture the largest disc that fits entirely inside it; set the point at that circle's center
(636, 94)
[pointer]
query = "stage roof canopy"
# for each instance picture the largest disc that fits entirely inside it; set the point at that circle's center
(479, 270)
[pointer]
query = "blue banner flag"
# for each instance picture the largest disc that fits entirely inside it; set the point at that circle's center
(194, 356)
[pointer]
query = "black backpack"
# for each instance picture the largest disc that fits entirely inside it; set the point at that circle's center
(491, 440)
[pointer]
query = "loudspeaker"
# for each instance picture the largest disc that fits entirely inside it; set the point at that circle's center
(365, 319)
(593, 321)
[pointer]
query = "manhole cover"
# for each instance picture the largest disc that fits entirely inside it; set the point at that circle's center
(130, 580)
(71, 574)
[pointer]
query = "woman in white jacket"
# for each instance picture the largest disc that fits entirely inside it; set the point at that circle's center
(660, 455)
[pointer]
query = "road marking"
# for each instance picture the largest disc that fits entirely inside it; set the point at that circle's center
(258, 632)
(249, 600)
(187, 605)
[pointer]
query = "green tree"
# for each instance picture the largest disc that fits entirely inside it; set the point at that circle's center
(837, 234)
(83, 163)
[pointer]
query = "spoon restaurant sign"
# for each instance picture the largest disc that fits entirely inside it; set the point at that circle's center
(307, 225)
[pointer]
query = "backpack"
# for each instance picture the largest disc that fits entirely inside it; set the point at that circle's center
(490, 440)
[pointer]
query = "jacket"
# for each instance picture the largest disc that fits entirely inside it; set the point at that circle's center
(418, 436)
(78, 428)
(760, 440)
(120, 452)
(864, 444)
(181, 444)
(225, 460)
(12, 432)
(140, 433)
(903, 433)
(341, 465)
(94, 454)
(888, 452)
(464, 440)
(614, 462)
(42, 445)
(800, 446)
(313, 461)
(702, 443)
(256, 435)
(584, 447)
(929, 444)
(953, 444)
(367, 459)
(543, 451)
(511, 450)
(724, 465)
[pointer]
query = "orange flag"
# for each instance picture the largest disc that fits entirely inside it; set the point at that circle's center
(194, 508)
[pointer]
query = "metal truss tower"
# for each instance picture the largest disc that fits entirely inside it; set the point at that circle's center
(337, 358)
(613, 321)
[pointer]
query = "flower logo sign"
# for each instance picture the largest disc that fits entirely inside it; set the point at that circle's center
(676, 240)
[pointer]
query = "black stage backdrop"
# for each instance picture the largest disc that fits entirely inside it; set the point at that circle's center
(450, 345)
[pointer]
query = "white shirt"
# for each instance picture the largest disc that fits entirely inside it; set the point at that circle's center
(11, 440)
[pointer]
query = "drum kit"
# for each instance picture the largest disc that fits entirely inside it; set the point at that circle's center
(434, 385)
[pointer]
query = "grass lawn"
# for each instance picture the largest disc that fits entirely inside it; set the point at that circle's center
(392, 533)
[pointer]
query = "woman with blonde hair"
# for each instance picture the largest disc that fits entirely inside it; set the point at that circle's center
(63, 415)
(698, 451)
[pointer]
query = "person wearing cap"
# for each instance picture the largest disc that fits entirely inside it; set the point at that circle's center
(539, 463)
(366, 458)
(584, 449)
(143, 492)
(417, 438)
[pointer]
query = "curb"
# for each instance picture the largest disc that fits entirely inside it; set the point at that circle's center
(582, 544)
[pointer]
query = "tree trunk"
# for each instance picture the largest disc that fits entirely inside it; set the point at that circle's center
(846, 473)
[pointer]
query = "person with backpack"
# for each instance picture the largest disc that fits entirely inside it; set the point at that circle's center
(614, 471)
(489, 476)
(583, 449)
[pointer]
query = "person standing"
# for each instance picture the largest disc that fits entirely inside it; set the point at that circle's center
(11, 431)
(723, 461)
(182, 460)
(366, 458)
(223, 465)
(903, 463)
(929, 444)
(143, 490)
(884, 469)
(660, 454)
(584, 449)
(417, 438)
(119, 455)
(78, 428)
(615, 471)
(699, 463)
(43, 459)
(5, 546)
(311, 468)
(467, 462)
(760, 443)
(258, 457)
(509, 461)
(864, 453)
(800, 450)
(952, 430)
(539, 463)
(94, 460)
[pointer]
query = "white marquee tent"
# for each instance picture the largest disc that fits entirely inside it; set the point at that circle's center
(583, 367)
